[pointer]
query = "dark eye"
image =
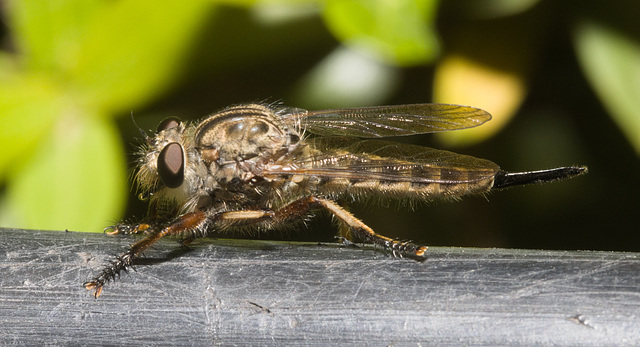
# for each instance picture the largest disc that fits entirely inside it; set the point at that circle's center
(171, 165)
(168, 123)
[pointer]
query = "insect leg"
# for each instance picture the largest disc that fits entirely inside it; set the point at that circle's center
(361, 230)
(128, 229)
(147, 227)
(186, 224)
(302, 206)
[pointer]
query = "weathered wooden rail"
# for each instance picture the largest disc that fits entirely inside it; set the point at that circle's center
(264, 292)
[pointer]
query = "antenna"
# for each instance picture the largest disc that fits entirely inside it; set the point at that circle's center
(146, 137)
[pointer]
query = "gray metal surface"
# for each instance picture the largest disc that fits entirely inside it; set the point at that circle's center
(262, 292)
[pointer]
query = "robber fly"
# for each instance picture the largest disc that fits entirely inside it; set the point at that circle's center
(254, 168)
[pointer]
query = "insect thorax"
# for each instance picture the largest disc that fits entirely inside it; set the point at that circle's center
(237, 142)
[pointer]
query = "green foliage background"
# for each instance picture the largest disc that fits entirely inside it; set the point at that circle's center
(562, 79)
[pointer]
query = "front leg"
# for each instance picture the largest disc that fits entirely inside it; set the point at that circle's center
(149, 225)
(195, 224)
(129, 229)
(187, 224)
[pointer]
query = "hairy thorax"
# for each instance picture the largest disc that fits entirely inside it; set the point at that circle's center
(237, 147)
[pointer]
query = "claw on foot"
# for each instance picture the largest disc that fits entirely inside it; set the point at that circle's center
(398, 249)
(420, 251)
(126, 229)
(95, 286)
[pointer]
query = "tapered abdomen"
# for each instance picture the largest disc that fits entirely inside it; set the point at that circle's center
(363, 175)
(370, 175)
(439, 187)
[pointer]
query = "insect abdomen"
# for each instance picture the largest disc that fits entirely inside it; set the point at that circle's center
(419, 182)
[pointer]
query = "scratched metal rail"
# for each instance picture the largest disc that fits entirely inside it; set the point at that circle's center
(262, 292)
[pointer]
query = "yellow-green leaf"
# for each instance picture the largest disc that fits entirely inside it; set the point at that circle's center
(75, 180)
(49, 34)
(399, 31)
(493, 8)
(29, 106)
(133, 50)
(611, 61)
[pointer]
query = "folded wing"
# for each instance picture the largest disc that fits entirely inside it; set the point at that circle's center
(383, 121)
(358, 160)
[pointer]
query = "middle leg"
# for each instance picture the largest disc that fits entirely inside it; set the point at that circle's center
(302, 206)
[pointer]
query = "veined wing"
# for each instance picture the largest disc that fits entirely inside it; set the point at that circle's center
(383, 121)
(354, 159)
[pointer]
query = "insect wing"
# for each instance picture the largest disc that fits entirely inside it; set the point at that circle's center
(344, 157)
(383, 121)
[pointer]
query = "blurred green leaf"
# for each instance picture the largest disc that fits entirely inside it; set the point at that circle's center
(611, 61)
(246, 3)
(75, 180)
(29, 107)
(399, 31)
(133, 50)
(78, 62)
(48, 34)
(494, 8)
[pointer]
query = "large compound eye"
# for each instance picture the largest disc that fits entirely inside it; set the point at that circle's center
(168, 123)
(171, 165)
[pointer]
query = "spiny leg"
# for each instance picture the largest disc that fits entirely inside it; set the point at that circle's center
(363, 231)
(301, 206)
(128, 229)
(150, 225)
(188, 224)
(183, 225)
